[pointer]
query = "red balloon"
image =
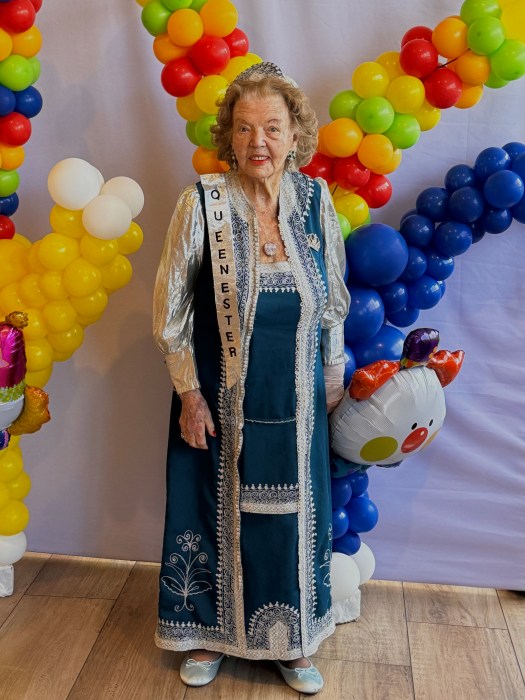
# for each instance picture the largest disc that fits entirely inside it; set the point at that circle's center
(17, 15)
(180, 77)
(377, 191)
(320, 166)
(37, 4)
(238, 43)
(211, 55)
(7, 227)
(443, 88)
(418, 57)
(419, 32)
(15, 129)
(350, 173)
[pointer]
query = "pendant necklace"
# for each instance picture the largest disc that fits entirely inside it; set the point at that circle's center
(270, 249)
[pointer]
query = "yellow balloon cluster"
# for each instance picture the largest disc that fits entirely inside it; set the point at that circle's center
(15, 484)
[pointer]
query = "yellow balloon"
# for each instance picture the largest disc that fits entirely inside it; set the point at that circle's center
(13, 518)
(88, 320)
(40, 378)
(513, 19)
(187, 108)
(375, 151)
(254, 58)
(13, 442)
(390, 62)
(31, 292)
(22, 240)
(235, 66)
(5, 495)
(33, 259)
(209, 92)
(39, 354)
(10, 298)
(117, 274)
(92, 305)
(67, 341)
(11, 157)
(342, 137)
(353, 207)
(81, 278)
(52, 285)
(142, 3)
(392, 165)
(67, 221)
(97, 250)
(56, 251)
(19, 487)
(406, 94)
(27, 43)
(6, 44)
(59, 315)
(36, 327)
(11, 463)
(428, 116)
(131, 241)
(219, 17)
(370, 79)
(185, 27)
(13, 261)
(470, 96)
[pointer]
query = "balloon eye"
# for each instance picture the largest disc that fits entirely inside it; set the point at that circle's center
(414, 426)
(431, 421)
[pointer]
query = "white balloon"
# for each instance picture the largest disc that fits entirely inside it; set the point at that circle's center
(344, 576)
(128, 190)
(100, 176)
(73, 183)
(12, 548)
(366, 562)
(9, 412)
(107, 217)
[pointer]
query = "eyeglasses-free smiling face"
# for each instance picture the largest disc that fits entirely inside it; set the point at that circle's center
(262, 136)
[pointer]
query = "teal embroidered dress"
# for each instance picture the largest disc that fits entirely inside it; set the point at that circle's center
(247, 544)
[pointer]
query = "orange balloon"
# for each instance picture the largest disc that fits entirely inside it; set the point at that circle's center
(6, 44)
(11, 157)
(219, 17)
(472, 68)
(342, 137)
(27, 43)
(165, 50)
(205, 161)
(321, 147)
(375, 151)
(187, 108)
(394, 163)
(470, 96)
(185, 27)
(450, 37)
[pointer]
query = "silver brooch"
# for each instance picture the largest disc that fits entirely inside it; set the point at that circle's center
(313, 241)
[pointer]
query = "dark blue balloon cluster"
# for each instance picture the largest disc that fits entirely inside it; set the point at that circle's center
(352, 510)
(392, 275)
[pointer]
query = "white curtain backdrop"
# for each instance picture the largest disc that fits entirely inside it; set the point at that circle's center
(453, 514)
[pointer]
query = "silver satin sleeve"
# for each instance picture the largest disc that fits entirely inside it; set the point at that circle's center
(336, 310)
(173, 295)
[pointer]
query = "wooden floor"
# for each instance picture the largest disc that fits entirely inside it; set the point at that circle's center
(82, 629)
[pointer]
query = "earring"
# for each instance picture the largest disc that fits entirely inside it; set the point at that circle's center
(233, 161)
(291, 156)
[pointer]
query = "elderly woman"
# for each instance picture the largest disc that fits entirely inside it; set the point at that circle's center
(249, 310)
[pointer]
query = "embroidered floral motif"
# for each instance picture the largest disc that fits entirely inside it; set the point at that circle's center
(271, 500)
(277, 282)
(275, 627)
(186, 582)
(313, 241)
(327, 560)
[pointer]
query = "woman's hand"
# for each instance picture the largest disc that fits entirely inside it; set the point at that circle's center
(333, 381)
(195, 419)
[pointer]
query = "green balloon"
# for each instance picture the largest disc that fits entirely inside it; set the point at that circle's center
(9, 181)
(155, 16)
(174, 5)
(494, 82)
(471, 10)
(34, 62)
(405, 131)
(508, 62)
(190, 133)
(344, 104)
(16, 72)
(485, 35)
(344, 225)
(197, 5)
(202, 131)
(375, 115)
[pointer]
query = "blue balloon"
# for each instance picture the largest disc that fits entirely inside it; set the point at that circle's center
(387, 344)
(518, 166)
(347, 544)
(349, 366)
(503, 189)
(7, 101)
(495, 220)
(362, 514)
(466, 204)
(477, 231)
(416, 265)
(341, 492)
(358, 483)
(424, 293)
(442, 287)
(514, 149)
(28, 102)
(405, 317)
(406, 214)
(433, 203)
(452, 238)
(366, 314)
(340, 522)
(440, 267)
(8, 205)
(377, 254)
(394, 296)
(347, 272)
(460, 176)
(489, 161)
(518, 212)
(417, 230)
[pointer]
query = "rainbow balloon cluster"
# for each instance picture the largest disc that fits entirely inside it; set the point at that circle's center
(400, 94)
(202, 51)
(20, 41)
(62, 282)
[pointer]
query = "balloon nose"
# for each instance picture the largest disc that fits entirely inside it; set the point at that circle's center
(414, 440)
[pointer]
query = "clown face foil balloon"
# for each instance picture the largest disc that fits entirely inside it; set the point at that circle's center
(12, 369)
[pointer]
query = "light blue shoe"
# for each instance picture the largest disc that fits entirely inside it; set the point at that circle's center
(197, 673)
(304, 680)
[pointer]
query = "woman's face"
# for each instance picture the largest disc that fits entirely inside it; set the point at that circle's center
(262, 136)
